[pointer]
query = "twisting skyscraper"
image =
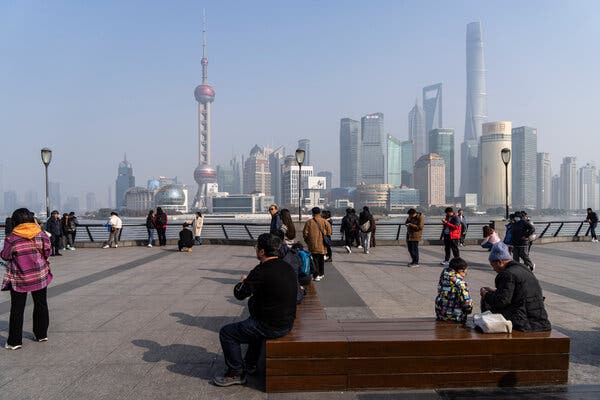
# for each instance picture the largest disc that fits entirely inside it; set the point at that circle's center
(205, 95)
(476, 112)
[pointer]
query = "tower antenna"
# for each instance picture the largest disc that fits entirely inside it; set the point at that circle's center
(204, 59)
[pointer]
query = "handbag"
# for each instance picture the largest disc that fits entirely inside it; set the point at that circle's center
(365, 227)
(492, 323)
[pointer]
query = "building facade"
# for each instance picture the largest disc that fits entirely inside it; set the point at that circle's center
(524, 167)
(495, 137)
(407, 150)
(372, 157)
(394, 161)
(257, 175)
(430, 180)
(125, 181)
(555, 189)
(139, 200)
(403, 197)
(432, 108)
(350, 152)
(416, 131)
(275, 162)
(569, 188)
(589, 194)
(289, 182)
(372, 195)
(544, 181)
(441, 142)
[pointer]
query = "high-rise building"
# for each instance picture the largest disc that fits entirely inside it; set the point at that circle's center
(407, 150)
(350, 152)
(589, 191)
(328, 175)
(289, 182)
(402, 198)
(204, 175)
(90, 201)
(10, 202)
(544, 181)
(441, 142)
(257, 177)
(125, 180)
(495, 137)
(372, 157)
(55, 197)
(416, 130)
(476, 111)
(275, 161)
(432, 107)
(72, 204)
(394, 160)
(555, 189)
(304, 144)
(430, 177)
(225, 178)
(524, 167)
(569, 199)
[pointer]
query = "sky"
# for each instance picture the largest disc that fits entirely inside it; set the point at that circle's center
(95, 80)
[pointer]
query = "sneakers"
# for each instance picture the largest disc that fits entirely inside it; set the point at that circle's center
(71, 248)
(532, 268)
(594, 240)
(367, 252)
(251, 370)
(41, 340)
(229, 380)
(116, 245)
(359, 247)
(348, 249)
(445, 262)
(105, 246)
(9, 347)
(149, 245)
(318, 278)
(413, 265)
(57, 254)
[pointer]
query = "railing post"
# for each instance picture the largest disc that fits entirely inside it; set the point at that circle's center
(398, 231)
(248, 231)
(545, 229)
(578, 230)
(87, 229)
(224, 231)
(558, 230)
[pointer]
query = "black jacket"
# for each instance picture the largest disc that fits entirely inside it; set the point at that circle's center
(363, 217)
(273, 286)
(521, 230)
(150, 222)
(187, 237)
(54, 227)
(592, 218)
(519, 298)
(349, 224)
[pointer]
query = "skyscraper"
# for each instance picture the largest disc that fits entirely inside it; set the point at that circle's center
(524, 167)
(372, 157)
(407, 149)
(394, 160)
(257, 177)
(289, 182)
(430, 179)
(125, 180)
(205, 95)
(495, 137)
(90, 201)
(304, 144)
(432, 107)
(416, 131)
(544, 181)
(441, 142)
(568, 184)
(476, 111)
(589, 191)
(555, 189)
(275, 161)
(55, 196)
(350, 152)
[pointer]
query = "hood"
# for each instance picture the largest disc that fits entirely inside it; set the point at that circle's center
(28, 230)
(450, 276)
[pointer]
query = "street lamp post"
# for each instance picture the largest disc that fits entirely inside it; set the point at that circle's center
(300, 160)
(46, 158)
(505, 154)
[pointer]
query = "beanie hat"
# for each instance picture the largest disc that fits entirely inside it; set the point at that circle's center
(500, 252)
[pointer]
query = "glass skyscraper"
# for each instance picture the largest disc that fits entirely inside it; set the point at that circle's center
(372, 157)
(394, 161)
(407, 150)
(432, 107)
(441, 142)
(416, 131)
(524, 167)
(544, 181)
(350, 152)
(569, 199)
(125, 180)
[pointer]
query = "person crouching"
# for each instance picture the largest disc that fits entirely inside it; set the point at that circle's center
(453, 302)
(186, 238)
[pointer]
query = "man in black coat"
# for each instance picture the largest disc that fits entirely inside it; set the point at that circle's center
(53, 226)
(186, 238)
(348, 229)
(521, 231)
(592, 219)
(518, 294)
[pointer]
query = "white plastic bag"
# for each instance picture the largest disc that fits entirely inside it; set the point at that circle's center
(492, 323)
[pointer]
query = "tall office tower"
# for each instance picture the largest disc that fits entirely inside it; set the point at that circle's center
(524, 167)
(416, 130)
(257, 177)
(394, 160)
(10, 202)
(238, 175)
(372, 157)
(589, 194)
(72, 204)
(568, 184)
(555, 189)
(275, 161)
(304, 144)
(289, 182)
(544, 181)
(225, 179)
(407, 157)
(204, 175)
(350, 152)
(432, 107)
(54, 194)
(90, 201)
(495, 137)
(441, 142)
(430, 177)
(476, 111)
(125, 180)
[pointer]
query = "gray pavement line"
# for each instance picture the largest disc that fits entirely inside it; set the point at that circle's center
(335, 291)
(88, 279)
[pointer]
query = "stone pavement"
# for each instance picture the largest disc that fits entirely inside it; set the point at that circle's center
(140, 323)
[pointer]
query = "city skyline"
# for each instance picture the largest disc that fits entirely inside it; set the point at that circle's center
(66, 122)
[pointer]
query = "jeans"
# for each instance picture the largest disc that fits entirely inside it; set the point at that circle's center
(413, 250)
(593, 230)
(349, 238)
(198, 240)
(522, 252)
(365, 238)
(113, 237)
(69, 239)
(450, 245)
(250, 332)
(55, 241)
(162, 236)
(319, 260)
(150, 235)
(40, 316)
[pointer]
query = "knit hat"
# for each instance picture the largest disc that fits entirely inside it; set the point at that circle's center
(500, 252)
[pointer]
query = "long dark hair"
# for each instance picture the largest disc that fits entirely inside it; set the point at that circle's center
(21, 216)
(286, 219)
(159, 210)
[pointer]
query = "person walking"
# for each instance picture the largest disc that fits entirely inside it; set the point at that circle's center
(414, 232)
(314, 233)
(348, 229)
(26, 251)
(161, 221)
(150, 226)
(54, 228)
(450, 235)
(115, 224)
(592, 219)
(327, 217)
(67, 231)
(521, 231)
(366, 224)
(197, 225)
(463, 227)
(287, 231)
(74, 222)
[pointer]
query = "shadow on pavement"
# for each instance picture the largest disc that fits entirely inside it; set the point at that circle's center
(585, 345)
(213, 324)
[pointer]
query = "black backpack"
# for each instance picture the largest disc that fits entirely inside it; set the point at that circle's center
(161, 219)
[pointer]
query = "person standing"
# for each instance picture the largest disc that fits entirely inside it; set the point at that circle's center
(463, 227)
(327, 217)
(160, 222)
(592, 219)
(67, 231)
(287, 231)
(275, 219)
(414, 232)
(115, 224)
(74, 222)
(150, 226)
(348, 229)
(366, 224)
(197, 225)
(53, 226)
(26, 250)
(520, 232)
(314, 233)
(450, 235)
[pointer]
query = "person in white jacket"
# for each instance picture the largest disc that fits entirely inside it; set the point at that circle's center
(115, 224)
(197, 227)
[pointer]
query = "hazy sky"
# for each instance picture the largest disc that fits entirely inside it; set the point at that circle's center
(93, 80)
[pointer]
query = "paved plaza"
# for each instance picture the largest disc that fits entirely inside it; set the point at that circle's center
(142, 323)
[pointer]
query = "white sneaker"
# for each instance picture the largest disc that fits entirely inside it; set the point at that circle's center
(41, 340)
(367, 252)
(116, 245)
(444, 262)
(532, 268)
(149, 245)
(359, 247)
(317, 278)
(9, 347)
(105, 246)
(411, 265)
(325, 258)
(348, 249)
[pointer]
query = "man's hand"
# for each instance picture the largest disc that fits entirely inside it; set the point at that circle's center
(243, 277)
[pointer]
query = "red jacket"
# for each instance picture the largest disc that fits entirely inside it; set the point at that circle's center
(452, 223)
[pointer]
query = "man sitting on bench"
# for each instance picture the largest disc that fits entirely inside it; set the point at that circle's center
(272, 287)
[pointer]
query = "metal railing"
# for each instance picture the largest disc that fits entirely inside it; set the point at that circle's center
(385, 230)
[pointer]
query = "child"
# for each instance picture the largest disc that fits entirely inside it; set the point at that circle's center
(453, 302)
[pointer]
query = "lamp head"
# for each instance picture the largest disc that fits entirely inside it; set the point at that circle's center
(46, 156)
(505, 153)
(300, 156)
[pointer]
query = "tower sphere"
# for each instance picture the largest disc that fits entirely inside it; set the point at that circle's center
(204, 93)
(204, 174)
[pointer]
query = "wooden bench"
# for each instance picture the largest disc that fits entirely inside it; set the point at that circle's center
(418, 353)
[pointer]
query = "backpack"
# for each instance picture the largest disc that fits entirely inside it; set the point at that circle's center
(306, 268)
(161, 219)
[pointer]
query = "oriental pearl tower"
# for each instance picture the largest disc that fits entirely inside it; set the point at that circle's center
(205, 95)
